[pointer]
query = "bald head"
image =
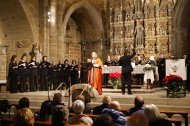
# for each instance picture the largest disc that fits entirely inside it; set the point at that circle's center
(139, 101)
(106, 100)
(115, 105)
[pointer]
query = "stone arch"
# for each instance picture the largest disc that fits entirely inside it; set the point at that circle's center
(31, 19)
(90, 10)
(180, 11)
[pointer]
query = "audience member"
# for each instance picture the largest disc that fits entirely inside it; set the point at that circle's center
(138, 106)
(137, 119)
(23, 103)
(24, 117)
(60, 115)
(105, 104)
(117, 116)
(57, 99)
(45, 111)
(79, 117)
(82, 98)
(103, 120)
(154, 117)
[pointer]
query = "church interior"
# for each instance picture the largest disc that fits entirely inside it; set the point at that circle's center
(73, 29)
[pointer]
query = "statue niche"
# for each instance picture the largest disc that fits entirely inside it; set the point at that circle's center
(139, 35)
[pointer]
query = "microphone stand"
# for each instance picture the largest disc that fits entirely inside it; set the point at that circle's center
(58, 88)
(69, 100)
(48, 91)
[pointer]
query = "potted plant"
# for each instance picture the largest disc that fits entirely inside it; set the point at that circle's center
(174, 86)
(114, 79)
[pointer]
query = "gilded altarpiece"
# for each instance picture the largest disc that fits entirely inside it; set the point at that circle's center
(145, 24)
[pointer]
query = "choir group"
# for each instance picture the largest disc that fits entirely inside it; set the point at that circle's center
(40, 76)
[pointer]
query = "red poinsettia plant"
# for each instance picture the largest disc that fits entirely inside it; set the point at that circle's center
(114, 79)
(115, 75)
(173, 82)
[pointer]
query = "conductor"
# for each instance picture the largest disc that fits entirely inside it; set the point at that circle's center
(125, 62)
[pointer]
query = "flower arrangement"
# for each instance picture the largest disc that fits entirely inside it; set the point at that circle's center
(114, 79)
(173, 83)
(148, 67)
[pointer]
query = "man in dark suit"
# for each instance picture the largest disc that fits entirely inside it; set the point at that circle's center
(161, 68)
(105, 104)
(125, 62)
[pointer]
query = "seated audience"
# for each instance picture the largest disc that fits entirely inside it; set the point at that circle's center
(45, 111)
(105, 104)
(23, 103)
(103, 120)
(154, 117)
(82, 98)
(60, 115)
(24, 117)
(57, 99)
(79, 117)
(138, 106)
(117, 116)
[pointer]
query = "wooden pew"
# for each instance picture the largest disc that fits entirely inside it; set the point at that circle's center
(90, 115)
(6, 122)
(76, 125)
(43, 123)
(176, 121)
(170, 113)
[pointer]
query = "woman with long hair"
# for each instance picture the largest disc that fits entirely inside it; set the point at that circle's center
(66, 72)
(33, 78)
(23, 69)
(74, 72)
(13, 74)
(154, 117)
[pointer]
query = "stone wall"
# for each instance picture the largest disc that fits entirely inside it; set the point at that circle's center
(16, 34)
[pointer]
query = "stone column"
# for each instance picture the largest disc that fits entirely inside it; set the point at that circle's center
(60, 36)
(43, 27)
(53, 32)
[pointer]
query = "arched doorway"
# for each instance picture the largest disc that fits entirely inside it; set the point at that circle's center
(181, 42)
(89, 27)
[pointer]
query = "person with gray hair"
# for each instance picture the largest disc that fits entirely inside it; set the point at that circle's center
(60, 115)
(82, 98)
(154, 117)
(79, 117)
(105, 104)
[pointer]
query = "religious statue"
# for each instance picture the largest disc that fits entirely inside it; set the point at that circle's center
(38, 53)
(139, 34)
